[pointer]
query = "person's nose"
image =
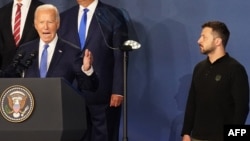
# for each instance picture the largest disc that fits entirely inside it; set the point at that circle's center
(199, 41)
(46, 25)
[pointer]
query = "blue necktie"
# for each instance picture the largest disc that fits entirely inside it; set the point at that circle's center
(43, 63)
(82, 28)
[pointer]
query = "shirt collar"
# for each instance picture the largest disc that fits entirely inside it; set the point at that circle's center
(51, 44)
(25, 3)
(91, 7)
(219, 59)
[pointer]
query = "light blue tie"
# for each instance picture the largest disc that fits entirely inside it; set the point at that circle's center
(43, 63)
(82, 28)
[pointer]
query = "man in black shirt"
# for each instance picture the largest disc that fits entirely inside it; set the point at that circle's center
(219, 92)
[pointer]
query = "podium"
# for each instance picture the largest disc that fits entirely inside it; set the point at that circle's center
(58, 113)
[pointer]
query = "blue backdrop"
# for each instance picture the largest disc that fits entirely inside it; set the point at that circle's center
(159, 73)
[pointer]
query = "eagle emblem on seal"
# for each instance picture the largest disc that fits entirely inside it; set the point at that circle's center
(17, 103)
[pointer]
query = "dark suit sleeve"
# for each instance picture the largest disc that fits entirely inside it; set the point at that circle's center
(120, 35)
(89, 83)
(84, 82)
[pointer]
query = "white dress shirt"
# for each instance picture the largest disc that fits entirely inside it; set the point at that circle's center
(24, 13)
(90, 14)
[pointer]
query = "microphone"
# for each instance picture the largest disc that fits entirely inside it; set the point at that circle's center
(12, 69)
(128, 45)
(17, 59)
(26, 63)
(19, 65)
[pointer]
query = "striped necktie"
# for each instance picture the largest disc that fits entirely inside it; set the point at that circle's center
(17, 24)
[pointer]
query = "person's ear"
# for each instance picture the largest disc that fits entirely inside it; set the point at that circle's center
(218, 41)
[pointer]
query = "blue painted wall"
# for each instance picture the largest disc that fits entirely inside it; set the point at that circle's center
(159, 73)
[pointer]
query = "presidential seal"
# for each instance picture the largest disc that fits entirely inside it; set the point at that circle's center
(17, 103)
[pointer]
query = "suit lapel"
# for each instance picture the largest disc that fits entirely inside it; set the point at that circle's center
(8, 22)
(92, 29)
(56, 56)
(74, 23)
(94, 25)
(35, 72)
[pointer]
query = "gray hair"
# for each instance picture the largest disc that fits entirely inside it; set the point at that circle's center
(48, 7)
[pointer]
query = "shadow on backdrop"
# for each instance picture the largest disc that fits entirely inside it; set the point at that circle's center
(181, 98)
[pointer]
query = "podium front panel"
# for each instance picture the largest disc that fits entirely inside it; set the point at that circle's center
(58, 114)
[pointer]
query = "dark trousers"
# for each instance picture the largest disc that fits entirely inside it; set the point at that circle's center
(103, 123)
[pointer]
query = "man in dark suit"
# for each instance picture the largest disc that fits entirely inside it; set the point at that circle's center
(63, 59)
(8, 46)
(106, 31)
